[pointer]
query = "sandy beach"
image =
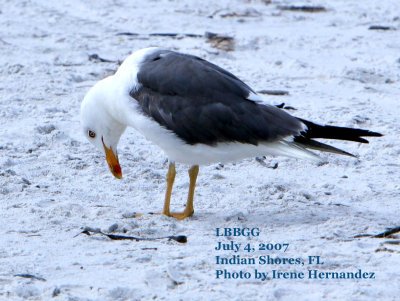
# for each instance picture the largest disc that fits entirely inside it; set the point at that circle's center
(335, 62)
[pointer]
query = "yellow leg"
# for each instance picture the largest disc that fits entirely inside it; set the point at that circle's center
(189, 210)
(170, 182)
(193, 172)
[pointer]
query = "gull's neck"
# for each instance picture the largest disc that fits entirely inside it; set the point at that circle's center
(117, 101)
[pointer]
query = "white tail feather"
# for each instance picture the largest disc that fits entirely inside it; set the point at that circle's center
(291, 150)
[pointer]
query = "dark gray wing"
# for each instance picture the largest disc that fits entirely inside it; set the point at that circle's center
(203, 103)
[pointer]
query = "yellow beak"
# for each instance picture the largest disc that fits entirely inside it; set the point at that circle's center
(113, 162)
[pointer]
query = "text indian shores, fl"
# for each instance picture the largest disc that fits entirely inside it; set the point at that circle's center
(228, 260)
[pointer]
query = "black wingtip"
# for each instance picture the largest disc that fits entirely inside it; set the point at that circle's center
(373, 134)
(336, 132)
(366, 133)
(313, 144)
(362, 140)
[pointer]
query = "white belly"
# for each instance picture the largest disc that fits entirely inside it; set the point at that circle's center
(202, 154)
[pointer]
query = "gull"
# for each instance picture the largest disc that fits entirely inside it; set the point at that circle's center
(198, 114)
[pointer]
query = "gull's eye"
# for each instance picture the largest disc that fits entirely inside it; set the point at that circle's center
(91, 134)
